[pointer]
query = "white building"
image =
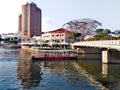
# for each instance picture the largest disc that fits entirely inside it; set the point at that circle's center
(10, 36)
(47, 37)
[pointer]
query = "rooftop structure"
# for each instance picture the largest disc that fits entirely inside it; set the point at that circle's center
(84, 26)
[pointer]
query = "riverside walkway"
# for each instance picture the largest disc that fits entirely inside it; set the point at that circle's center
(105, 45)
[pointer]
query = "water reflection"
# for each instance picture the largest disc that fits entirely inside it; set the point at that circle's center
(56, 75)
(107, 74)
(62, 74)
(55, 66)
(111, 69)
(8, 53)
(24, 53)
(105, 69)
(29, 73)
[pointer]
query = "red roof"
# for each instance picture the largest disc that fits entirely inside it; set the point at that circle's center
(61, 30)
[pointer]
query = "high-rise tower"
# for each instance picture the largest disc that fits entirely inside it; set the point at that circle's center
(20, 24)
(30, 20)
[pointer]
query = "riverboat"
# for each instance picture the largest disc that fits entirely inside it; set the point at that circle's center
(55, 56)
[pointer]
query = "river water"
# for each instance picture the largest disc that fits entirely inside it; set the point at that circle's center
(18, 72)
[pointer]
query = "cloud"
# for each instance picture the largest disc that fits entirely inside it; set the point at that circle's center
(48, 24)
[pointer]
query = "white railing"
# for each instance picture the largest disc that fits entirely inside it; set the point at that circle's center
(114, 44)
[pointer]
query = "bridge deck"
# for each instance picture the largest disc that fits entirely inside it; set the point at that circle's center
(109, 44)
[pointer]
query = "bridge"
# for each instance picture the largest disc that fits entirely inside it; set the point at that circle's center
(105, 45)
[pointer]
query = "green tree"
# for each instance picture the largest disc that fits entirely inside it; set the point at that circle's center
(74, 35)
(106, 31)
(99, 30)
(116, 32)
(100, 36)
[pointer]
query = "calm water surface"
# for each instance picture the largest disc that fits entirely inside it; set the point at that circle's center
(18, 72)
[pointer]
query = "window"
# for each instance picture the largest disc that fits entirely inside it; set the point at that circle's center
(52, 35)
(57, 35)
(62, 34)
(62, 40)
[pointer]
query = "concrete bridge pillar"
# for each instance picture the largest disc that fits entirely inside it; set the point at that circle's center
(110, 56)
(105, 56)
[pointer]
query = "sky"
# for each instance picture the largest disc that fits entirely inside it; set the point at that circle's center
(55, 13)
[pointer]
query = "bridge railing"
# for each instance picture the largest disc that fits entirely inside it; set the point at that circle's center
(107, 42)
(103, 43)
